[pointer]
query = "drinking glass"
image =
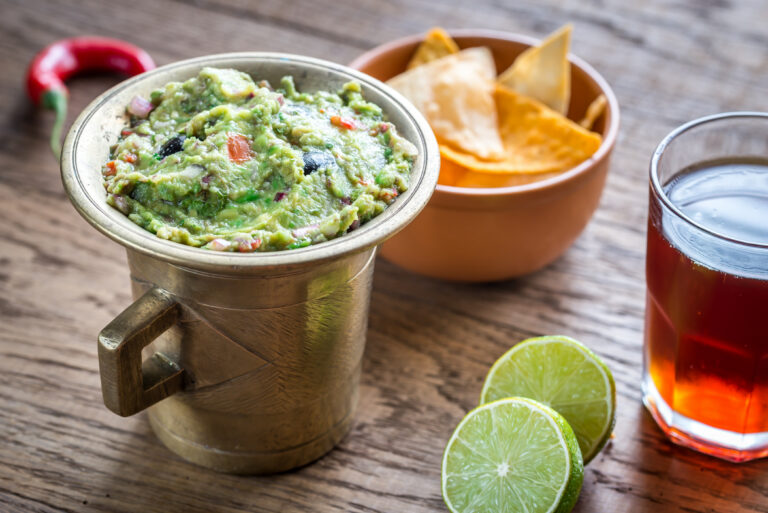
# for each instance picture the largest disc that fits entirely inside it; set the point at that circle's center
(705, 378)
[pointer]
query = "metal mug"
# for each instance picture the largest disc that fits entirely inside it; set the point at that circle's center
(248, 363)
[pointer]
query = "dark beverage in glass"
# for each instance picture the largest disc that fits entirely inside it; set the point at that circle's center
(706, 332)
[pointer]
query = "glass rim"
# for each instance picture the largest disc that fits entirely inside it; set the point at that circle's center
(659, 152)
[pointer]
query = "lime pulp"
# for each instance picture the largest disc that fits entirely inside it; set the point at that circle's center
(513, 455)
(563, 374)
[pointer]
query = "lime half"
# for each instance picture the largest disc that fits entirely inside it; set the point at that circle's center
(563, 374)
(512, 456)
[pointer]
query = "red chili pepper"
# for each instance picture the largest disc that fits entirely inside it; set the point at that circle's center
(63, 59)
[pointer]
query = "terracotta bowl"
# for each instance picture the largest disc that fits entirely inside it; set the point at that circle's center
(489, 234)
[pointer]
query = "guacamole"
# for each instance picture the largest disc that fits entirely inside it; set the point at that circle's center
(224, 163)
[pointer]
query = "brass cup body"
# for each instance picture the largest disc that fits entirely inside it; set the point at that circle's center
(271, 361)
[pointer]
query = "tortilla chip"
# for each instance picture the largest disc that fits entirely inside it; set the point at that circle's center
(538, 142)
(437, 44)
(450, 172)
(459, 176)
(594, 111)
(500, 180)
(456, 96)
(543, 72)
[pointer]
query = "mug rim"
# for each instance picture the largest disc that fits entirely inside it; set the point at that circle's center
(658, 189)
(405, 208)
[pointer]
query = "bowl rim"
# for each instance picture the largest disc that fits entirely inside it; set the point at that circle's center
(113, 223)
(607, 144)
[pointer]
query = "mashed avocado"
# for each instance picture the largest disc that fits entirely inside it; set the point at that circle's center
(223, 163)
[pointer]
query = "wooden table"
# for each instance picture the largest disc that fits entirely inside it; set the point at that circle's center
(430, 343)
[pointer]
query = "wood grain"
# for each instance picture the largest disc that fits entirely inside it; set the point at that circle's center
(429, 343)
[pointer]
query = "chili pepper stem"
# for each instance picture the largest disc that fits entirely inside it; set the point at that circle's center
(56, 101)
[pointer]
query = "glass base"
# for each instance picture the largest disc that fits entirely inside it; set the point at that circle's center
(682, 430)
